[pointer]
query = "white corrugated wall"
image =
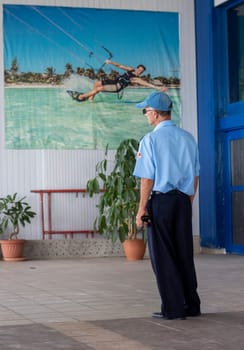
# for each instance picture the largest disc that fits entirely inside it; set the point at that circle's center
(25, 170)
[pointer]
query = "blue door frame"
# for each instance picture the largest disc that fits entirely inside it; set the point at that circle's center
(206, 122)
(230, 124)
(217, 120)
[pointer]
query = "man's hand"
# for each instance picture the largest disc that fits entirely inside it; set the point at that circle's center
(140, 219)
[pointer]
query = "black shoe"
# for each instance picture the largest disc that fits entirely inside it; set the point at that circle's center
(160, 315)
(190, 313)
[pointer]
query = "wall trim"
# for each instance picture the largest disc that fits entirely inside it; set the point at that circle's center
(79, 248)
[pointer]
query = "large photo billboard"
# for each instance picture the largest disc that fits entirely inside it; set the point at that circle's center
(73, 75)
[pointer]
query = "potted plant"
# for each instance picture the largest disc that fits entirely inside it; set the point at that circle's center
(118, 203)
(14, 213)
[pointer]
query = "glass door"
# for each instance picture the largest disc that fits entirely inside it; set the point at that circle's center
(235, 192)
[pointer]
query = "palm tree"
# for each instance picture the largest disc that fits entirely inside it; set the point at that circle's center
(68, 70)
(50, 71)
(14, 67)
(90, 73)
(80, 70)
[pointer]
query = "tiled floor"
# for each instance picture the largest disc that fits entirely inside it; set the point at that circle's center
(106, 303)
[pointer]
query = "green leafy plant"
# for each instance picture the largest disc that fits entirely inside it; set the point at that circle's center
(14, 212)
(118, 203)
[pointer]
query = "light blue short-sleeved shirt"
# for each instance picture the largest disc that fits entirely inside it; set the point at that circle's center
(169, 156)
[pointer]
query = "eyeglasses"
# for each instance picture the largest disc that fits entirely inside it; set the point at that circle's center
(145, 111)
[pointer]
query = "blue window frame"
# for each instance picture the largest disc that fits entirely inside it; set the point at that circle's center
(235, 44)
(230, 64)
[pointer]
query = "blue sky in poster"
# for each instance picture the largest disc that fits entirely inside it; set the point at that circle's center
(43, 36)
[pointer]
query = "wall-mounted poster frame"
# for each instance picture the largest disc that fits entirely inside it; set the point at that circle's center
(72, 75)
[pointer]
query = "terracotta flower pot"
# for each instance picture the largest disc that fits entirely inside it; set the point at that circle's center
(12, 249)
(134, 249)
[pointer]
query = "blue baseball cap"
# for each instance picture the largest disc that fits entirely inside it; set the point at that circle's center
(157, 100)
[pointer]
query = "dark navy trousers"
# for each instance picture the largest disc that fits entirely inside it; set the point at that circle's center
(170, 244)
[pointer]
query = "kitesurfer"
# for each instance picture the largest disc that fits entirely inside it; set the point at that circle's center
(130, 77)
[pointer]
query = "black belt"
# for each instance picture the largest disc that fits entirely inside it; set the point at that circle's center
(170, 192)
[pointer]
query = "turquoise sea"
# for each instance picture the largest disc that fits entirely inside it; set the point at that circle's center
(47, 118)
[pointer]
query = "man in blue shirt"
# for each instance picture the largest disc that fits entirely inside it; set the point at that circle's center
(168, 165)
